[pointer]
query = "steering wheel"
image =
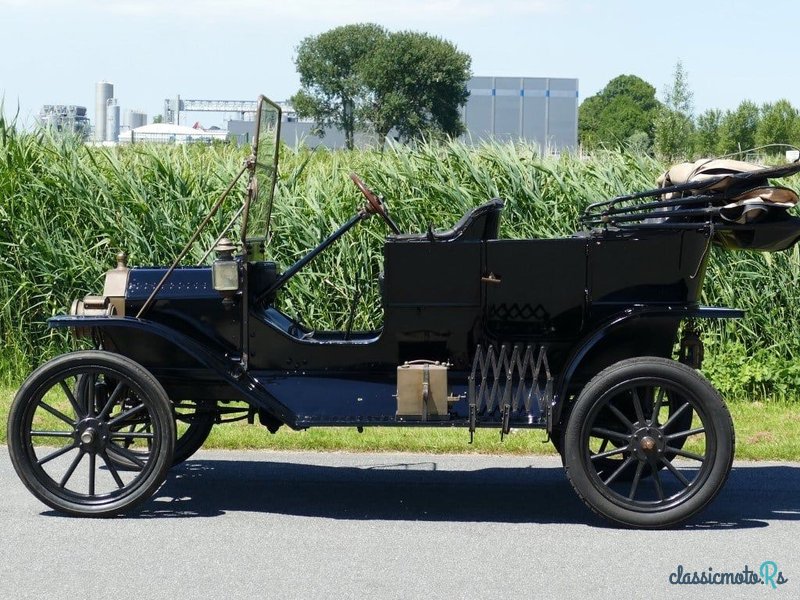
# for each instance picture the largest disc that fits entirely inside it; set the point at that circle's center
(374, 204)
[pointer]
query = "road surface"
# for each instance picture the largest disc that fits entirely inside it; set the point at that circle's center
(373, 526)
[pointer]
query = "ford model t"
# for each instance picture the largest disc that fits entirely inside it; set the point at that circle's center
(592, 338)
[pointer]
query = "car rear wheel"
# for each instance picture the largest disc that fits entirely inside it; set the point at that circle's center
(634, 456)
(63, 446)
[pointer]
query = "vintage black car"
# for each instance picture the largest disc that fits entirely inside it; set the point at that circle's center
(576, 336)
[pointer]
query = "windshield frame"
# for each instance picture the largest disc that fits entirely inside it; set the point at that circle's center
(254, 163)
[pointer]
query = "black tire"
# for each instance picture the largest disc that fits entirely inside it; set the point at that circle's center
(663, 491)
(46, 409)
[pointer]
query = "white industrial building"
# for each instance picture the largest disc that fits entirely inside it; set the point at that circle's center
(542, 110)
(61, 117)
(169, 133)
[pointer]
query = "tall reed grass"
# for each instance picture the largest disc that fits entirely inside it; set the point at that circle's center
(66, 209)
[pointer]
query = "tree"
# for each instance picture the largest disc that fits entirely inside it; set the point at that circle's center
(418, 84)
(627, 105)
(158, 119)
(674, 126)
(639, 143)
(737, 131)
(707, 132)
(333, 91)
(778, 124)
(363, 77)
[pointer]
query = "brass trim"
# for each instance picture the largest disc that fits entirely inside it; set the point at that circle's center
(116, 284)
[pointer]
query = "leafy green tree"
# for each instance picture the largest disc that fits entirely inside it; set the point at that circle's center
(706, 139)
(737, 131)
(639, 143)
(778, 124)
(333, 91)
(363, 77)
(418, 84)
(626, 106)
(674, 126)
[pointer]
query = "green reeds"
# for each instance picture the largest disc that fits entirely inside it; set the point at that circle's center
(66, 209)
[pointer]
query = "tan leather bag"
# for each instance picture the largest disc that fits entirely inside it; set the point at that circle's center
(752, 205)
(703, 170)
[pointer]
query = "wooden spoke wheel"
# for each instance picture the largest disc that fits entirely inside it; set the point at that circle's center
(649, 443)
(66, 439)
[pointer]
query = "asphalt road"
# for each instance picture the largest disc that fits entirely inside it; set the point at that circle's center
(373, 526)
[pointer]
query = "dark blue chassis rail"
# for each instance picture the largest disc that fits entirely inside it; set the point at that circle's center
(229, 368)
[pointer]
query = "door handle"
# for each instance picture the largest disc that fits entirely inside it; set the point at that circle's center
(491, 278)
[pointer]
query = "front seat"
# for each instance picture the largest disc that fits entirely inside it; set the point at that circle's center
(480, 223)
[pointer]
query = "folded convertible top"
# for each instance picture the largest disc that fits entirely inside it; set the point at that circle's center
(735, 200)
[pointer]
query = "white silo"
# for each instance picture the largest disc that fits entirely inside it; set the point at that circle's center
(104, 91)
(112, 120)
(136, 118)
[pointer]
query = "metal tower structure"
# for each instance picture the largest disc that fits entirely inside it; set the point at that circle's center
(174, 106)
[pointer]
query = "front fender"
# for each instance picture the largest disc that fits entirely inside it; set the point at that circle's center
(226, 366)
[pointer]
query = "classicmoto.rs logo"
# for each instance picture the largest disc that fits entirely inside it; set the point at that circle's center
(766, 574)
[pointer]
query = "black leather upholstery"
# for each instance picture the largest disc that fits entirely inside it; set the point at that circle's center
(481, 223)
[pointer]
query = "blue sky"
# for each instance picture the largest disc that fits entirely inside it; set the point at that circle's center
(53, 51)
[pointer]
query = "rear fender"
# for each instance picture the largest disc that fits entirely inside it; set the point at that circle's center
(621, 336)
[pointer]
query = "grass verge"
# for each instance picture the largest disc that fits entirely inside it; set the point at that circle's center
(764, 431)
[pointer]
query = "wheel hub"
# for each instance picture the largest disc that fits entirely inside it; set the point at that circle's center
(87, 437)
(647, 443)
(93, 434)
